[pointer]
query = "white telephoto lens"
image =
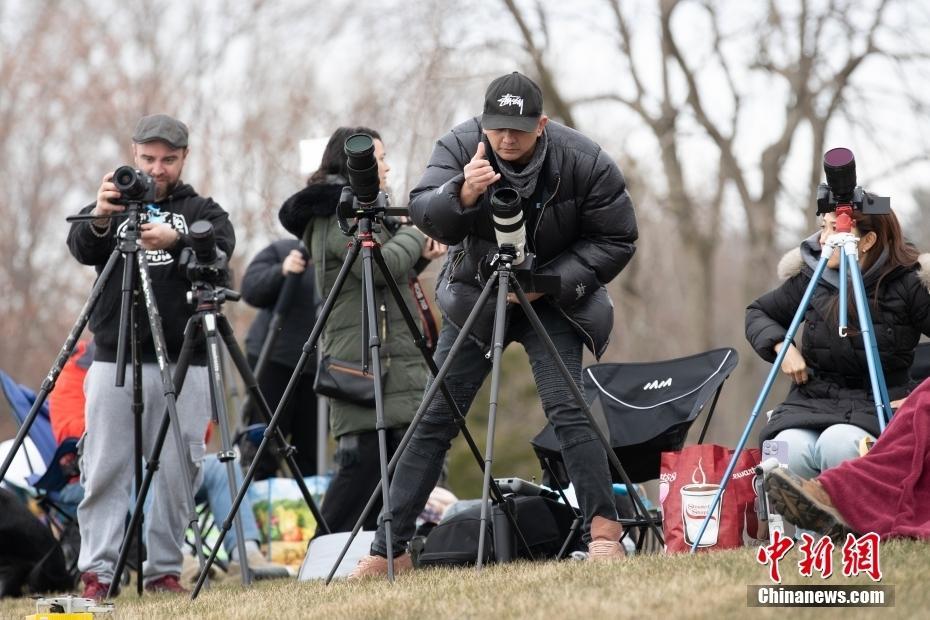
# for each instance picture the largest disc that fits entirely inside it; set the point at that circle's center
(517, 238)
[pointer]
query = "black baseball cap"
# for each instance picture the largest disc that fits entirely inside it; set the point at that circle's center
(512, 101)
(161, 127)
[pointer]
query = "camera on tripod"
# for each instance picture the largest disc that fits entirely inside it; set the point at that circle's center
(509, 229)
(202, 261)
(362, 197)
(839, 164)
(510, 232)
(134, 186)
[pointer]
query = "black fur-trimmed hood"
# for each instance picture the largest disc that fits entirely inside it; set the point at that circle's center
(316, 200)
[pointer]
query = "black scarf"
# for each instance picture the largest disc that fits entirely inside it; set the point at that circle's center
(525, 180)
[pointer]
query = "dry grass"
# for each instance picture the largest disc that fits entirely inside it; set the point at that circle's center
(706, 586)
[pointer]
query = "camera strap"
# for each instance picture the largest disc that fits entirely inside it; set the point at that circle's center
(427, 319)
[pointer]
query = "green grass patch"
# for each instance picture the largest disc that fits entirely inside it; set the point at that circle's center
(712, 585)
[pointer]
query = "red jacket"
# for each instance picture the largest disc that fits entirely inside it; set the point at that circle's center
(66, 401)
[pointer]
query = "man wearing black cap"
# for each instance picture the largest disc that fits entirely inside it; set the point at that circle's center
(159, 149)
(580, 224)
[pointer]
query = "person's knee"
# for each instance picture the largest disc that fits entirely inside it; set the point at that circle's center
(574, 433)
(430, 437)
(801, 444)
(838, 443)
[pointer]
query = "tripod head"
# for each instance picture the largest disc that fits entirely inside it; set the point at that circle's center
(525, 272)
(205, 296)
(372, 213)
(844, 220)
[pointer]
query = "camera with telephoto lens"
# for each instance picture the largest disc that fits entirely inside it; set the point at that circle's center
(510, 233)
(362, 197)
(839, 165)
(507, 213)
(134, 186)
(202, 261)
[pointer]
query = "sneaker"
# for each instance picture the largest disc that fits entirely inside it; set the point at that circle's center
(93, 587)
(806, 504)
(377, 566)
(605, 550)
(167, 583)
(605, 540)
(190, 571)
(259, 567)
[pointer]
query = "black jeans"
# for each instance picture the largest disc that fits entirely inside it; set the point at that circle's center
(298, 421)
(585, 460)
(358, 474)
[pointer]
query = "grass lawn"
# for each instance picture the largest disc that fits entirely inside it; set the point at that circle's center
(681, 586)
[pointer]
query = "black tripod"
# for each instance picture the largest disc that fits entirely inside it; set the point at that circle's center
(506, 279)
(134, 263)
(209, 323)
(365, 243)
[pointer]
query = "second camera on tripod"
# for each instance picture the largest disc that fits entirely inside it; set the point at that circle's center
(203, 261)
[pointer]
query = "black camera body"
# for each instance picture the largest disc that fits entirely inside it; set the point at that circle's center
(134, 186)
(202, 261)
(839, 165)
(860, 200)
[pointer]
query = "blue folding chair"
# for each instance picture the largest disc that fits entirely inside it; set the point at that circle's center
(49, 477)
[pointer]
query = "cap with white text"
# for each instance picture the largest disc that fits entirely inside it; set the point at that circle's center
(512, 101)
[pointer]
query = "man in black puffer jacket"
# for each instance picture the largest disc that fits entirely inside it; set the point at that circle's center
(581, 226)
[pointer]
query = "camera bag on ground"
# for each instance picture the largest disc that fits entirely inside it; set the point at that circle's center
(545, 525)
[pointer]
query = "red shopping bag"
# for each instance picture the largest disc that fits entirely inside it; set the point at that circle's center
(689, 481)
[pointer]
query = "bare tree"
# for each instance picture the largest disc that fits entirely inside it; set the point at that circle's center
(811, 53)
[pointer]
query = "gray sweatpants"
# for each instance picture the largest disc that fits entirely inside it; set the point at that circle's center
(107, 468)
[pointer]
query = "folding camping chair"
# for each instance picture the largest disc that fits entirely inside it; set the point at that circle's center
(644, 409)
(47, 477)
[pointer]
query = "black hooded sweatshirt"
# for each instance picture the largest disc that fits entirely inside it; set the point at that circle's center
(181, 208)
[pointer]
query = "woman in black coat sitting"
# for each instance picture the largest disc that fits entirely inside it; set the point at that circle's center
(829, 409)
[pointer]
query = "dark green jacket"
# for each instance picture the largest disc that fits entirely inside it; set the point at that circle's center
(343, 336)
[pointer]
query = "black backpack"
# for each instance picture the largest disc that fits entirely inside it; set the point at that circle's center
(545, 525)
(31, 560)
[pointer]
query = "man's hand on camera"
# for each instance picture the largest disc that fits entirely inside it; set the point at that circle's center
(512, 297)
(158, 236)
(793, 363)
(293, 263)
(432, 249)
(479, 175)
(105, 194)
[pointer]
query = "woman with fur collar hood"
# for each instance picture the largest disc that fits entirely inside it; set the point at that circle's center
(829, 409)
(311, 214)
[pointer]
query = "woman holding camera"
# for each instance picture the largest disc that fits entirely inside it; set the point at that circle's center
(311, 214)
(830, 410)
